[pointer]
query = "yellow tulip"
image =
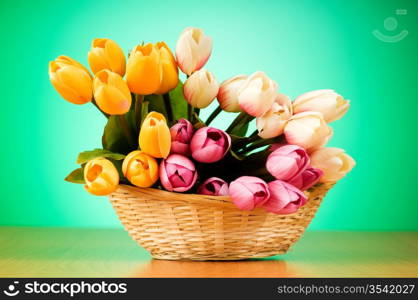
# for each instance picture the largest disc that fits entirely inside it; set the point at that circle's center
(106, 54)
(140, 169)
(111, 93)
(101, 177)
(144, 71)
(71, 80)
(170, 73)
(155, 138)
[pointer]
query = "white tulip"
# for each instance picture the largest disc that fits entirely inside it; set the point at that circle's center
(334, 162)
(200, 89)
(193, 50)
(228, 93)
(332, 105)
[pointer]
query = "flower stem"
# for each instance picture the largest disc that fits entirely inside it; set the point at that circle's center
(138, 110)
(95, 104)
(258, 143)
(213, 115)
(126, 131)
(169, 109)
(190, 113)
(241, 119)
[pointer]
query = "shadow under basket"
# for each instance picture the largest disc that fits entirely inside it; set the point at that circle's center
(178, 226)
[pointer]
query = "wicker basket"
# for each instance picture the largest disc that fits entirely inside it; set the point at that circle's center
(198, 227)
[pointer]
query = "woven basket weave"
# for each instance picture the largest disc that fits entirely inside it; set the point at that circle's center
(198, 227)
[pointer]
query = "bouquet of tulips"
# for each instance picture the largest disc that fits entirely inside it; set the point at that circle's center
(155, 136)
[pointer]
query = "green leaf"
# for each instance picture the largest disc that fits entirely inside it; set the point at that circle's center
(113, 138)
(85, 156)
(144, 110)
(156, 103)
(240, 130)
(76, 176)
(178, 102)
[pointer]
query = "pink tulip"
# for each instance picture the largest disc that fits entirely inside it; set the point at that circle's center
(287, 162)
(209, 144)
(248, 192)
(284, 198)
(181, 135)
(213, 186)
(177, 173)
(307, 178)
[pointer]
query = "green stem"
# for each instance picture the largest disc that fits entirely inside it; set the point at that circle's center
(95, 104)
(258, 144)
(138, 110)
(213, 115)
(241, 119)
(190, 113)
(169, 109)
(126, 131)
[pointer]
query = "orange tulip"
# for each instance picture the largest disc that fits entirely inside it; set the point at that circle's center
(71, 80)
(111, 93)
(155, 138)
(143, 71)
(101, 177)
(140, 169)
(170, 73)
(106, 54)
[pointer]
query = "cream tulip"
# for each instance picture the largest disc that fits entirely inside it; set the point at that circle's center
(332, 105)
(228, 93)
(271, 124)
(334, 162)
(200, 89)
(308, 130)
(257, 94)
(193, 50)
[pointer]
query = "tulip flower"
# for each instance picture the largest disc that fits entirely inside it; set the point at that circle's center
(101, 177)
(228, 93)
(170, 74)
(177, 173)
(271, 124)
(144, 70)
(248, 192)
(287, 162)
(332, 105)
(308, 130)
(306, 179)
(154, 137)
(200, 89)
(111, 93)
(334, 162)
(257, 94)
(71, 80)
(193, 50)
(284, 198)
(140, 169)
(209, 144)
(213, 186)
(181, 135)
(105, 54)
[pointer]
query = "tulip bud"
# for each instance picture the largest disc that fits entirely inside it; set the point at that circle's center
(284, 198)
(140, 169)
(213, 186)
(101, 177)
(111, 93)
(181, 135)
(177, 173)
(248, 192)
(306, 179)
(71, 80)
(154, 138)
(105, 54)
(271, 124)
(308, 130)
(332, 105)
(170, 74)
(228, 93)
(334, 162)
(200, 89)
(257, 94)
(287, 162)
(210, 144)
(144, 70)
(193, 50)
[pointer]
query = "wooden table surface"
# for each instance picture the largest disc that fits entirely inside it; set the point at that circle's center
(70, 252)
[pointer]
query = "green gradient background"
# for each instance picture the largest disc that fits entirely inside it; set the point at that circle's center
(303, 45)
